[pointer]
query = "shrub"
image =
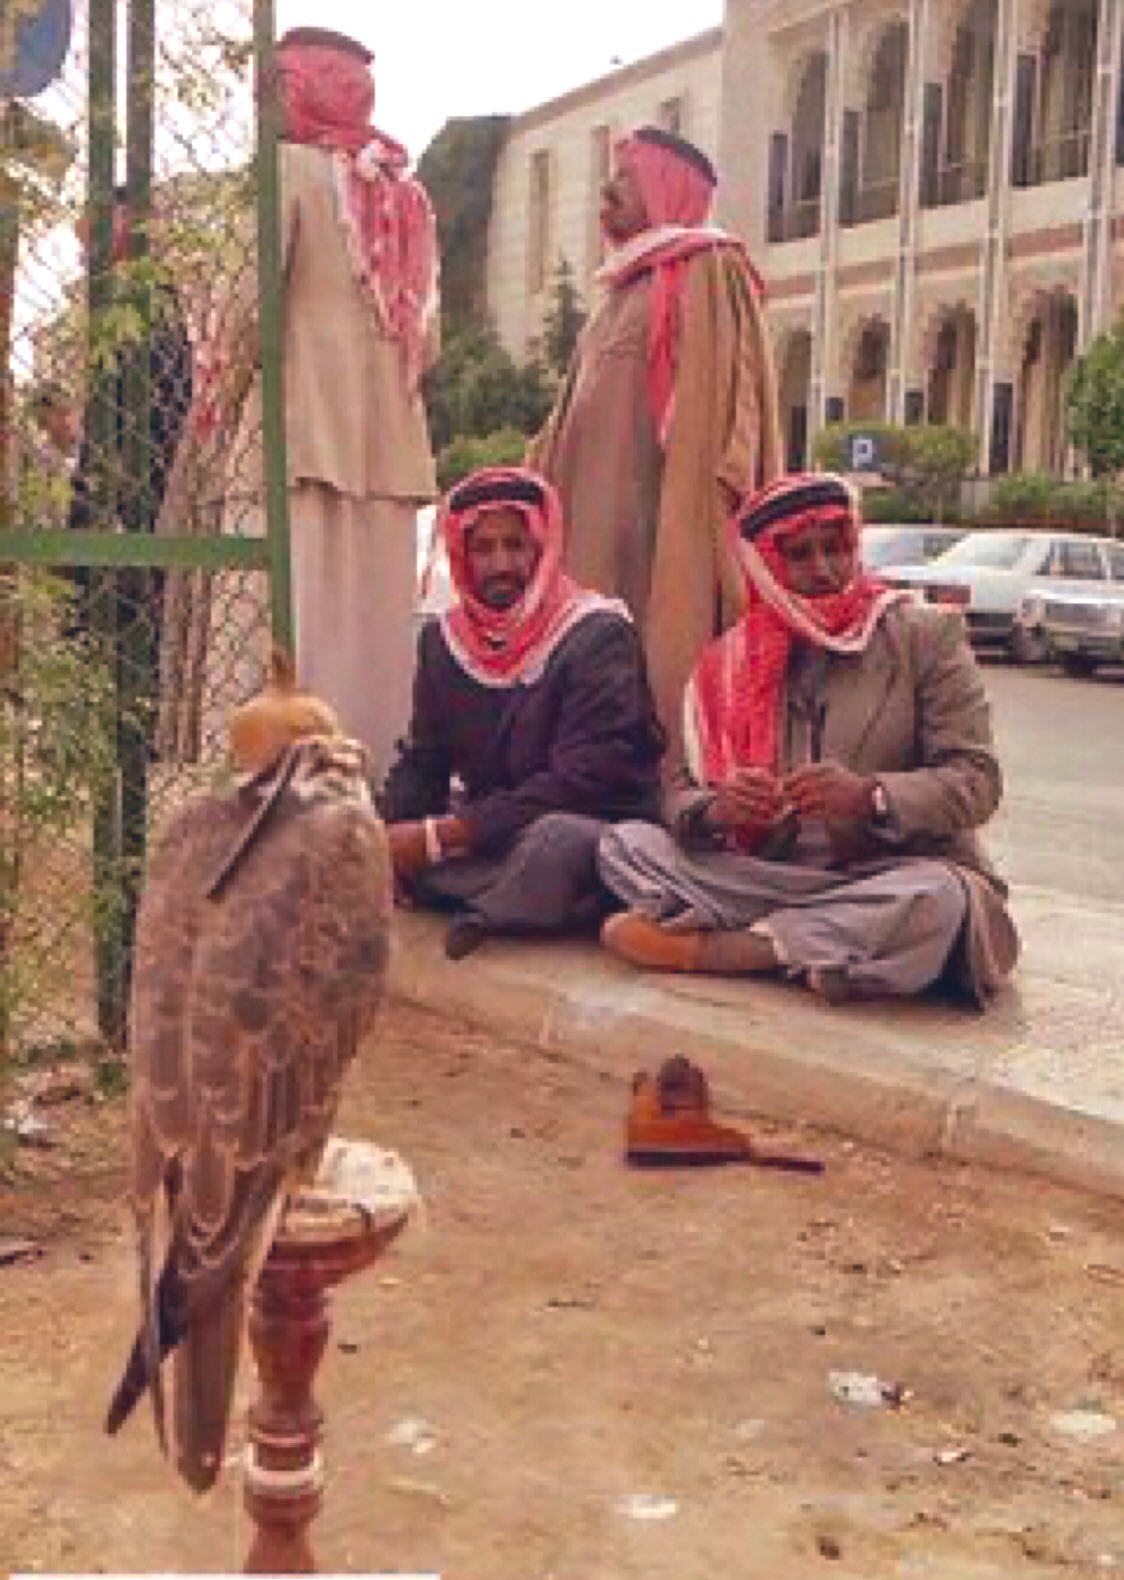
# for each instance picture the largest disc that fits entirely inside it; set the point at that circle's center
(1022, 496)
(504, 447)
(831, 449)
(57, 757)
(1033, 498)
(926, 464)
(891, 507)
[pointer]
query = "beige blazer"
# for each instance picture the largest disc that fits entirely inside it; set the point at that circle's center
(912, 711)
(351, 421)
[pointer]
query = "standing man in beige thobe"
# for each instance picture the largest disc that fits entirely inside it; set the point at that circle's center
(669, 414)
(360, 262)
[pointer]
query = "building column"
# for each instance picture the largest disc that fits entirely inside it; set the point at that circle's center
(990, 304)
(1094, 308)
(824, 314)
(909, 205)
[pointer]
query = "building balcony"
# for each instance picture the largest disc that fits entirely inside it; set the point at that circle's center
(954, 183)
(1063, 158)
(874, 200)
(796, 222)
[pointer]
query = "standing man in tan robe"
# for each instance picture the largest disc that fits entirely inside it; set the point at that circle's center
(360, 262)
(669, 414)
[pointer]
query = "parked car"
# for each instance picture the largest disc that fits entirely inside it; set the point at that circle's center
(987, 575)
(884, 548)
(1082, 630)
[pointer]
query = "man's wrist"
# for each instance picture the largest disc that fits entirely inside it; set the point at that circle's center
(879, 803)
(433, 850)
(452, 836)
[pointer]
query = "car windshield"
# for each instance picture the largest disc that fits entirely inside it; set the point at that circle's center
(891, 548)
(995, 550)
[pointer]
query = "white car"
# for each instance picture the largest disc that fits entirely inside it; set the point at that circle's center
(1082, 629)
(886, 549)
(989, 575)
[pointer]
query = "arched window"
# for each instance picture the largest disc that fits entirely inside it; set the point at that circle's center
(867, 399)
(796, 174)
(1068, 80)
(963, 174)
(952, 375)
(1049, 348)
(882, 129)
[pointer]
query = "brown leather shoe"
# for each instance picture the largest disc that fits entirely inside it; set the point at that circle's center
(669, 1125)
(670, 1122)
(642, 942)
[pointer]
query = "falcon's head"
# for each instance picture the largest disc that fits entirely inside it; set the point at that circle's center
(265, 727)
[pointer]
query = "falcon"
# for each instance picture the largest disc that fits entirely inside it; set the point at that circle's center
(260, 958)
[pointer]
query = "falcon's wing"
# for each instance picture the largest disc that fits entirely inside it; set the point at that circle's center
(246, 1010)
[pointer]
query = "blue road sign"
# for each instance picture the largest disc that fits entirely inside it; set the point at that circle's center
(863, 453)
(34, 39)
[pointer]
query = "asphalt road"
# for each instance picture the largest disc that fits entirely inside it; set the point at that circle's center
(1061, 743)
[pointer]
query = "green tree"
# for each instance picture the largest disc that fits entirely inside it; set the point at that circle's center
(564, 321)
(458, 171)
(477, 389)
(1095, 404)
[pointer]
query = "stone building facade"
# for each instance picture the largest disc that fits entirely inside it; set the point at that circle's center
(933, 190)
(547, 184)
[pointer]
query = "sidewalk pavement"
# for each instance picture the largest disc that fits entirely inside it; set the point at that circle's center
(1036, 1083)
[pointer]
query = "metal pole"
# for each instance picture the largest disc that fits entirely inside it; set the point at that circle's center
(9, 621)
(9, 259)
(98, 593)
(139, 592)
(271, 308)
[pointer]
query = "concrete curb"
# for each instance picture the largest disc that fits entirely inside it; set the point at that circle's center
(918, 1079)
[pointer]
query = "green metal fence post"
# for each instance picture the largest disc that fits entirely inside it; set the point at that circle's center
(9, 258)
(100, 442)
(139, 592)
(271, 310)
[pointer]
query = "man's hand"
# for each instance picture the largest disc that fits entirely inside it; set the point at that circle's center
(748, 798)
(829, 790)
(407, 849)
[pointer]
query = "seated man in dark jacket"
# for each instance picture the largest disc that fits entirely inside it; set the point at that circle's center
(531, 695)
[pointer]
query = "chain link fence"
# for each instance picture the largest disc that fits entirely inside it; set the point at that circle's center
(134, 585)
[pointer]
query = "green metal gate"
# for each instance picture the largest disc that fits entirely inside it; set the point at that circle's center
(144, 561)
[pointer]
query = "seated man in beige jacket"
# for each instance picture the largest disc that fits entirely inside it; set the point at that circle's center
(838, 760)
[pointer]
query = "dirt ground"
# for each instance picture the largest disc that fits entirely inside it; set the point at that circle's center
(559, 1335)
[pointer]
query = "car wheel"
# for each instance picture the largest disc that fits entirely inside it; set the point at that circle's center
(1079, 665)
(1029, 646)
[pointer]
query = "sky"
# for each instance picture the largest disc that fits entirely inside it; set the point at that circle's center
(435, 59)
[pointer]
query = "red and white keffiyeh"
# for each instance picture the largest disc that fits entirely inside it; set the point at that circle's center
(677, 187)
(327, 96)
(509, 647)
(733, 700)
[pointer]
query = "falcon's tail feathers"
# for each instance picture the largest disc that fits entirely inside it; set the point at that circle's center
(154, 1340)
(204, 1367)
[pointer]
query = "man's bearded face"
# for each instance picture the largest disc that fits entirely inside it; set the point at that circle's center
(501, 556)
(623, 214)
(819, 559)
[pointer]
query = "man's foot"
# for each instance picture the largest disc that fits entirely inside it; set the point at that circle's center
(832, 984)
(465, 935)
(633, 937)
(738, 952)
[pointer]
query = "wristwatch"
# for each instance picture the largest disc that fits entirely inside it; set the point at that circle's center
(880, 803)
